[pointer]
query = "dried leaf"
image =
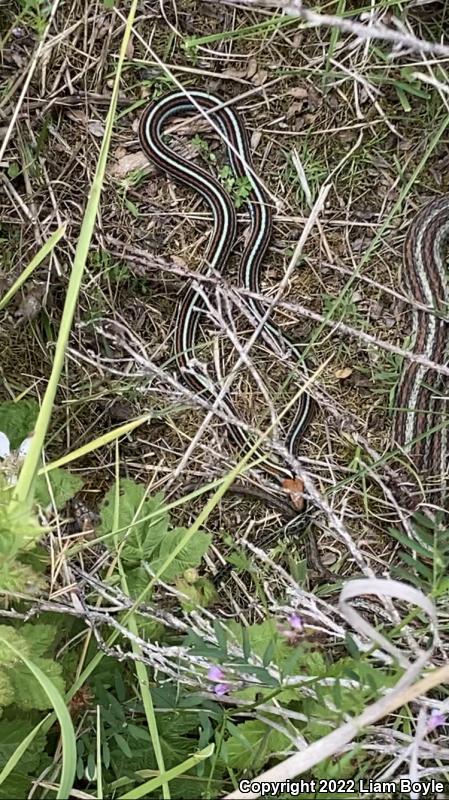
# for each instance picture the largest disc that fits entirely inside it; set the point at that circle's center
(298, 92)
(234, 73)
(255, 139)
(294, 487)
(294, 108)
(251, 68)
(341, 374)
(128, 163)
(96, 128)
(77, 115)
(260, 77)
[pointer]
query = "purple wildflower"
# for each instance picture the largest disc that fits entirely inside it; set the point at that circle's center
(215, 674)
(296, 622)
(435, 720)
(293, 633)
(221, 688)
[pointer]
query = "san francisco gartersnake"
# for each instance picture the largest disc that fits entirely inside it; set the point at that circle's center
(420, 423)
(153, 122)
(418, 426)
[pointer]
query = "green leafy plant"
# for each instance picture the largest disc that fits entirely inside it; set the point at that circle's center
(334, 689)
(253, 742)
(203, 147)
(19, 533)
(142, 531)
(33, 761)
(37, 672)
(238, 187)
(198, 590)
(349, 309)
(425, 558)
(56, 488)
(385, 374)
(35, 14)
(17, 684)
(17, 420)
(127, 753)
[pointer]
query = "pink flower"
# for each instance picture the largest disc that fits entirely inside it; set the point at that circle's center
(221, 688)
(296, 622)
(435, 720)
(293, 634)
(215, 674)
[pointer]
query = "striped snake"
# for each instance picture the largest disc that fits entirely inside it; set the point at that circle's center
(152, 124)
(423, 275)
(419, 425)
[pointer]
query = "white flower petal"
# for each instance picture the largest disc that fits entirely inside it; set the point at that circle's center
(24, 447)
(4, 445)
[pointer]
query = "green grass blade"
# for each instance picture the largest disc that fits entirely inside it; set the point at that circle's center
(42, 253)
(147, 700)
(334, 37)
(63, 717)
(141, 670)
(412, 544)
(14, 759)
(174, 772)
(100, 441)
(99, 759)
(24, 488)
(275, 22)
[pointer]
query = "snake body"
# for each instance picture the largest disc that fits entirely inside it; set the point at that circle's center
(420, 421)
(152, 125)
